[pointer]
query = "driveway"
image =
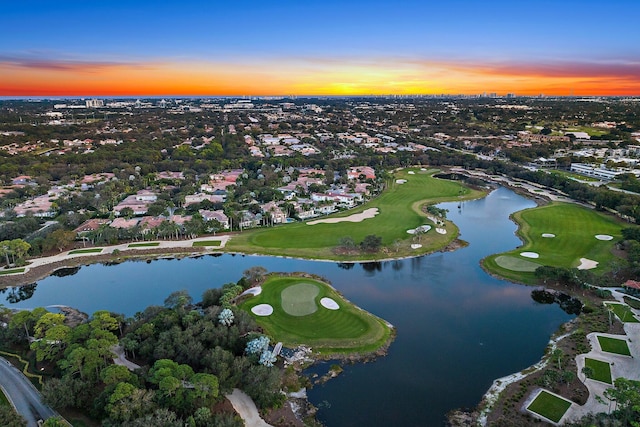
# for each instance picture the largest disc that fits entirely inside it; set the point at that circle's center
(24, 397)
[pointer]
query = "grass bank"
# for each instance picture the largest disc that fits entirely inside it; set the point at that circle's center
(299, 318)
(399, 209)
(558, 235)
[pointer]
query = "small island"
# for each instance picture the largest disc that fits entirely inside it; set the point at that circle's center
(301, 310)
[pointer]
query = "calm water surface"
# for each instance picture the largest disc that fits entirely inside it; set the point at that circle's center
(457, 327)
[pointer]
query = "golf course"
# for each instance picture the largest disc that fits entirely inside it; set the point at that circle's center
(558, 235)
(302, 311)
(390, 216)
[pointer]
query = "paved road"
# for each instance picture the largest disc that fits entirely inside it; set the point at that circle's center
(23, 395)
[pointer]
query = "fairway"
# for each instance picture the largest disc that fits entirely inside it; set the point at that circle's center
(398, 209)
(574, 230)
(299, 317)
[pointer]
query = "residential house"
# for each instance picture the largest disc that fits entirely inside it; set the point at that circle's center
(217, 215)
(275, 212)
(124, 223)
(90, 225)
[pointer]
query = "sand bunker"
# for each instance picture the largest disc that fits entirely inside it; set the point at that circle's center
(441, 231)
(262, 310)
(421, 229)
(529, 254)
(257, 290)
(411, 173)
(422, 169)
(400, 181)
(368, 213)
(604, 237)
(587, 264)
(548, 235)
(329, 303)
(416, 246)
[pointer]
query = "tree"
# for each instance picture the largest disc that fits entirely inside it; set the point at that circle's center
(59, 239)
(9, 418)
(205, 387)
(52, 336)
(371, 243)
(254, 274)
(54, 422)
(178, 299)
(226, 317)
(626, 394)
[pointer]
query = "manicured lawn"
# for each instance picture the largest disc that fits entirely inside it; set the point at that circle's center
(573, 175)
(399, 210)
(549, 406)
(623, 312)
(12, 271)
(574, 227)
(86, 251)
(632, 302)
(207, 243)
(142, 245)
(345, 330)
(601, 370)
(614, 345)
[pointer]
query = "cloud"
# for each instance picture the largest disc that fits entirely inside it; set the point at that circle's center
(44, 63)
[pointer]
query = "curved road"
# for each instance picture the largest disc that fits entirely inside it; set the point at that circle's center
(24, 397)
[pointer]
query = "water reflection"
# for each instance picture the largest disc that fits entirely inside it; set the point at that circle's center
(457, 327)
(19, 293)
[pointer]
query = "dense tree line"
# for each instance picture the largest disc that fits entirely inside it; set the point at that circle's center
(191, 356)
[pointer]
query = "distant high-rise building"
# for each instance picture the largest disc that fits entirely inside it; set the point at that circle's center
(94, 103)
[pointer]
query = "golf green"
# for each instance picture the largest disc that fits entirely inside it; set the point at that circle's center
(299, 318)
(299, 299)
(574, 228)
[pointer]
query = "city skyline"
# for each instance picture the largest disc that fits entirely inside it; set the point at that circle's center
(196, 48)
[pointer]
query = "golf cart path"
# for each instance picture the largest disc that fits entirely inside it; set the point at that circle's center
(621, 366)
(245, 406)
(162, 244)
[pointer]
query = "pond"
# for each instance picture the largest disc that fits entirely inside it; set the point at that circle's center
(458, 328)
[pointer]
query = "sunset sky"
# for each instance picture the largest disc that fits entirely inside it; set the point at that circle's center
(308, 47)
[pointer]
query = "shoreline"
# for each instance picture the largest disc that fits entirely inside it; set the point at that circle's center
(47, 266)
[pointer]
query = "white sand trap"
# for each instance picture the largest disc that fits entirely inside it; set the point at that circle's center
(548, 235)
(400, 181)
(412, 231)
(529, 254)
(366, 214)
(421, 229)
(329, 303)
(262, 310)
(587, 264)
(411, 173)
(441, 231)
(416, 246)
(604, 237)
(422, 169)
(256, 290)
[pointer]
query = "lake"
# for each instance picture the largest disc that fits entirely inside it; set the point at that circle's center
(458, 328)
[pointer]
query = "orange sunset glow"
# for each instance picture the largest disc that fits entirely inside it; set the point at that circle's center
(308, 78)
